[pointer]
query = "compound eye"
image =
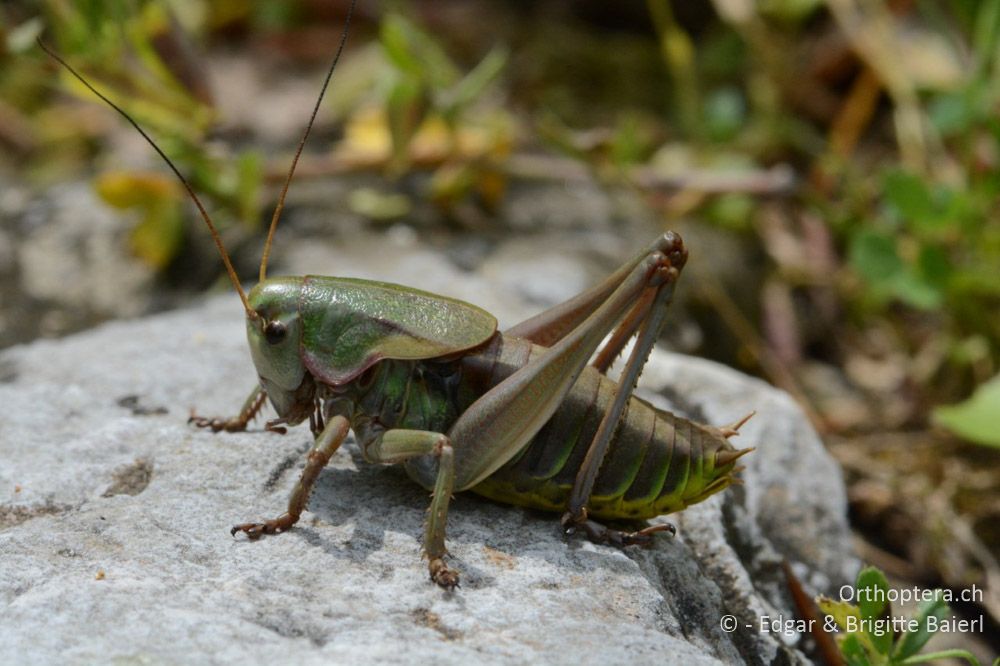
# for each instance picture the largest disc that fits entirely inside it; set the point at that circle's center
(274, 332)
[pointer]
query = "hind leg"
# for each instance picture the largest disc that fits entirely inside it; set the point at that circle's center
(552, 325)
(583, 485)
(501, 421)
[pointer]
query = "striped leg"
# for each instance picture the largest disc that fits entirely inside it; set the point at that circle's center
(551, 326)
(576, 514)
(505, 418)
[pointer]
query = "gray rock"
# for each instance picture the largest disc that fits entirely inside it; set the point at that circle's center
(115, 516)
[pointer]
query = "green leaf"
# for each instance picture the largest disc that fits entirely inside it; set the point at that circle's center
(725, 113)
(934, 265)
(872, 592)
(414, 52)
(874, 256)
(395, 40)
(274, 15)
(791, 11)
(475, 82)
(912, 642)
(913, 290)
(377, 205)
(249, 167)
(977, 281)
(978, 418)
(406, 107)
(854, 652)
(732, 210)
(157, 238)
(986, 33)
(838, 610)
(950, 114)
(451, 182)
(628, 146)
(123, 189)
(909, 197)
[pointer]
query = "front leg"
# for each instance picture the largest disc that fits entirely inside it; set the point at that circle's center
(326, 445)
(251, 407)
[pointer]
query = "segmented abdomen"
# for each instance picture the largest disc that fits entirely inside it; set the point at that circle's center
(656, 463)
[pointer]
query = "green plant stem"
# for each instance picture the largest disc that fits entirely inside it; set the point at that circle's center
(943, 654)
(678, 54)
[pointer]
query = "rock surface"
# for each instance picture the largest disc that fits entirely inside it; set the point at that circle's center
(115, 516)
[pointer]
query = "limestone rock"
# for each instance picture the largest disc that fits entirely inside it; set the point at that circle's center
(115, 516)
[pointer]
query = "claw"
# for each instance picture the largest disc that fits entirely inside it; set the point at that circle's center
(255, 530)
(442, 575)
(273, 426)
(600, 534)
(644, 537)
(217, 424)
(252, 530)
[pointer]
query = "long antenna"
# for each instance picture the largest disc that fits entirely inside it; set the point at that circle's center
(187, 185)
(302, 143)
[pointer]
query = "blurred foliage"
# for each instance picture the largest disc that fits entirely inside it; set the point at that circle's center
(868, 637)
(158, 236)
(976, 418)
(889, 112)
(422, 111)
(139, 55)
(917, 226)
(928, 238)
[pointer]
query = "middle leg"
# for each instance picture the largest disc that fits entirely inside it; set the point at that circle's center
(394, 446)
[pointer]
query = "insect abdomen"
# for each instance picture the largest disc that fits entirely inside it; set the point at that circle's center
(657, 463)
